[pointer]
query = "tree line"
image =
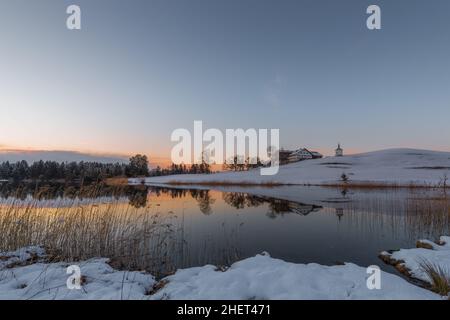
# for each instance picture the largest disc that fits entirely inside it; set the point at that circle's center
(73, 171)
(182, 169)
(205, 168)
(238, 165)
(87, 172)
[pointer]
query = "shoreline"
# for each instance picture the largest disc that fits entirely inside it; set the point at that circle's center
(351, 185)
(258, 277)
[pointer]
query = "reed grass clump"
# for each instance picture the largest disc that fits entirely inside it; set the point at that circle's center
(439, 277)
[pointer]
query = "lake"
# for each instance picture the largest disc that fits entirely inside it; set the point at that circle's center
(161, 229)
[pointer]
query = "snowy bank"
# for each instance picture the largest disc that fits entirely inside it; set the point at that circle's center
(24, 274)
(263, 277)
(399, 167)
(411, 261)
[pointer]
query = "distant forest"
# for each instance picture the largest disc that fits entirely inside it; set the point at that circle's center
(204, 168)
(88, 172)
(182, 169)
(73, 171)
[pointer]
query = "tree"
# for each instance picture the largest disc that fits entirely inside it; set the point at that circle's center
(138, 166)
(233, 166)
(256, 163)
(344, 178)
(20, 171)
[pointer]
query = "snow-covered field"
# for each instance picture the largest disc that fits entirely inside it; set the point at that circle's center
(25, 274)
(429, 252)
(401, 167)
(263, 277)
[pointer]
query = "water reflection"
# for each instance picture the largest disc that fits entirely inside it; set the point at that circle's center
(277, 207)
(162, 229)
(26, 192)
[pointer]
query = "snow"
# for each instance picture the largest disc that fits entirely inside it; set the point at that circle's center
(402, 167)
(21, 256)
(263, 277)
(24, 274)
(412, 259)
(22, 279)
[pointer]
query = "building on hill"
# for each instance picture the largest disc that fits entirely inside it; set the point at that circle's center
(299, 155)
(339, 151)
(316, 155)
(283, 156)
(303, 154)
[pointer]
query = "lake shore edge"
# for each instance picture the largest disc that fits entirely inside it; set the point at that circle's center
(29, 273)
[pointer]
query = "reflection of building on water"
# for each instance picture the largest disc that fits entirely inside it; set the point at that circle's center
(303, 209)
(283, 206)
(340, 213)
(276, 206)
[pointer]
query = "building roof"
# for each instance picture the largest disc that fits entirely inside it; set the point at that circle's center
(315, 153)
(312, 153)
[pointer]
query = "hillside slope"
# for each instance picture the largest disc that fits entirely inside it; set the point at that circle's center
(401, 167)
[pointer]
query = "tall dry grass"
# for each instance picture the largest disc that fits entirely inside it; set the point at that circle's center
(429, 214)
(439, 277)
(134, 238)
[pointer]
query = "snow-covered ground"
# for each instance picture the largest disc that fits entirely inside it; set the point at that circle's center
(24, 274)
(263, 277)
(402, 167)
(412, 260)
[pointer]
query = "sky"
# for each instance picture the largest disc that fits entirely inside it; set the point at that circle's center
(139, 69)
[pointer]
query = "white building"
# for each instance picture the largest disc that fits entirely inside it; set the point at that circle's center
(339, 151)
(303, 154)
(316, 155)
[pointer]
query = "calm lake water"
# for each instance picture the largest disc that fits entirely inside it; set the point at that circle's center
(162, 229)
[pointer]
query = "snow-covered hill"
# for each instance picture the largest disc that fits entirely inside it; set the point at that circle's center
(401, 167)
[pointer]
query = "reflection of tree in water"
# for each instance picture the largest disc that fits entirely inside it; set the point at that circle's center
(203, 197)
(276, 206)
(241, 200)
(21, 191)
(138, 198)
(173, 193)
(204, 200)
(53, 190)
(235, 200)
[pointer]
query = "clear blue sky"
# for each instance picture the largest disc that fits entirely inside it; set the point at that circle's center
(139, 69)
